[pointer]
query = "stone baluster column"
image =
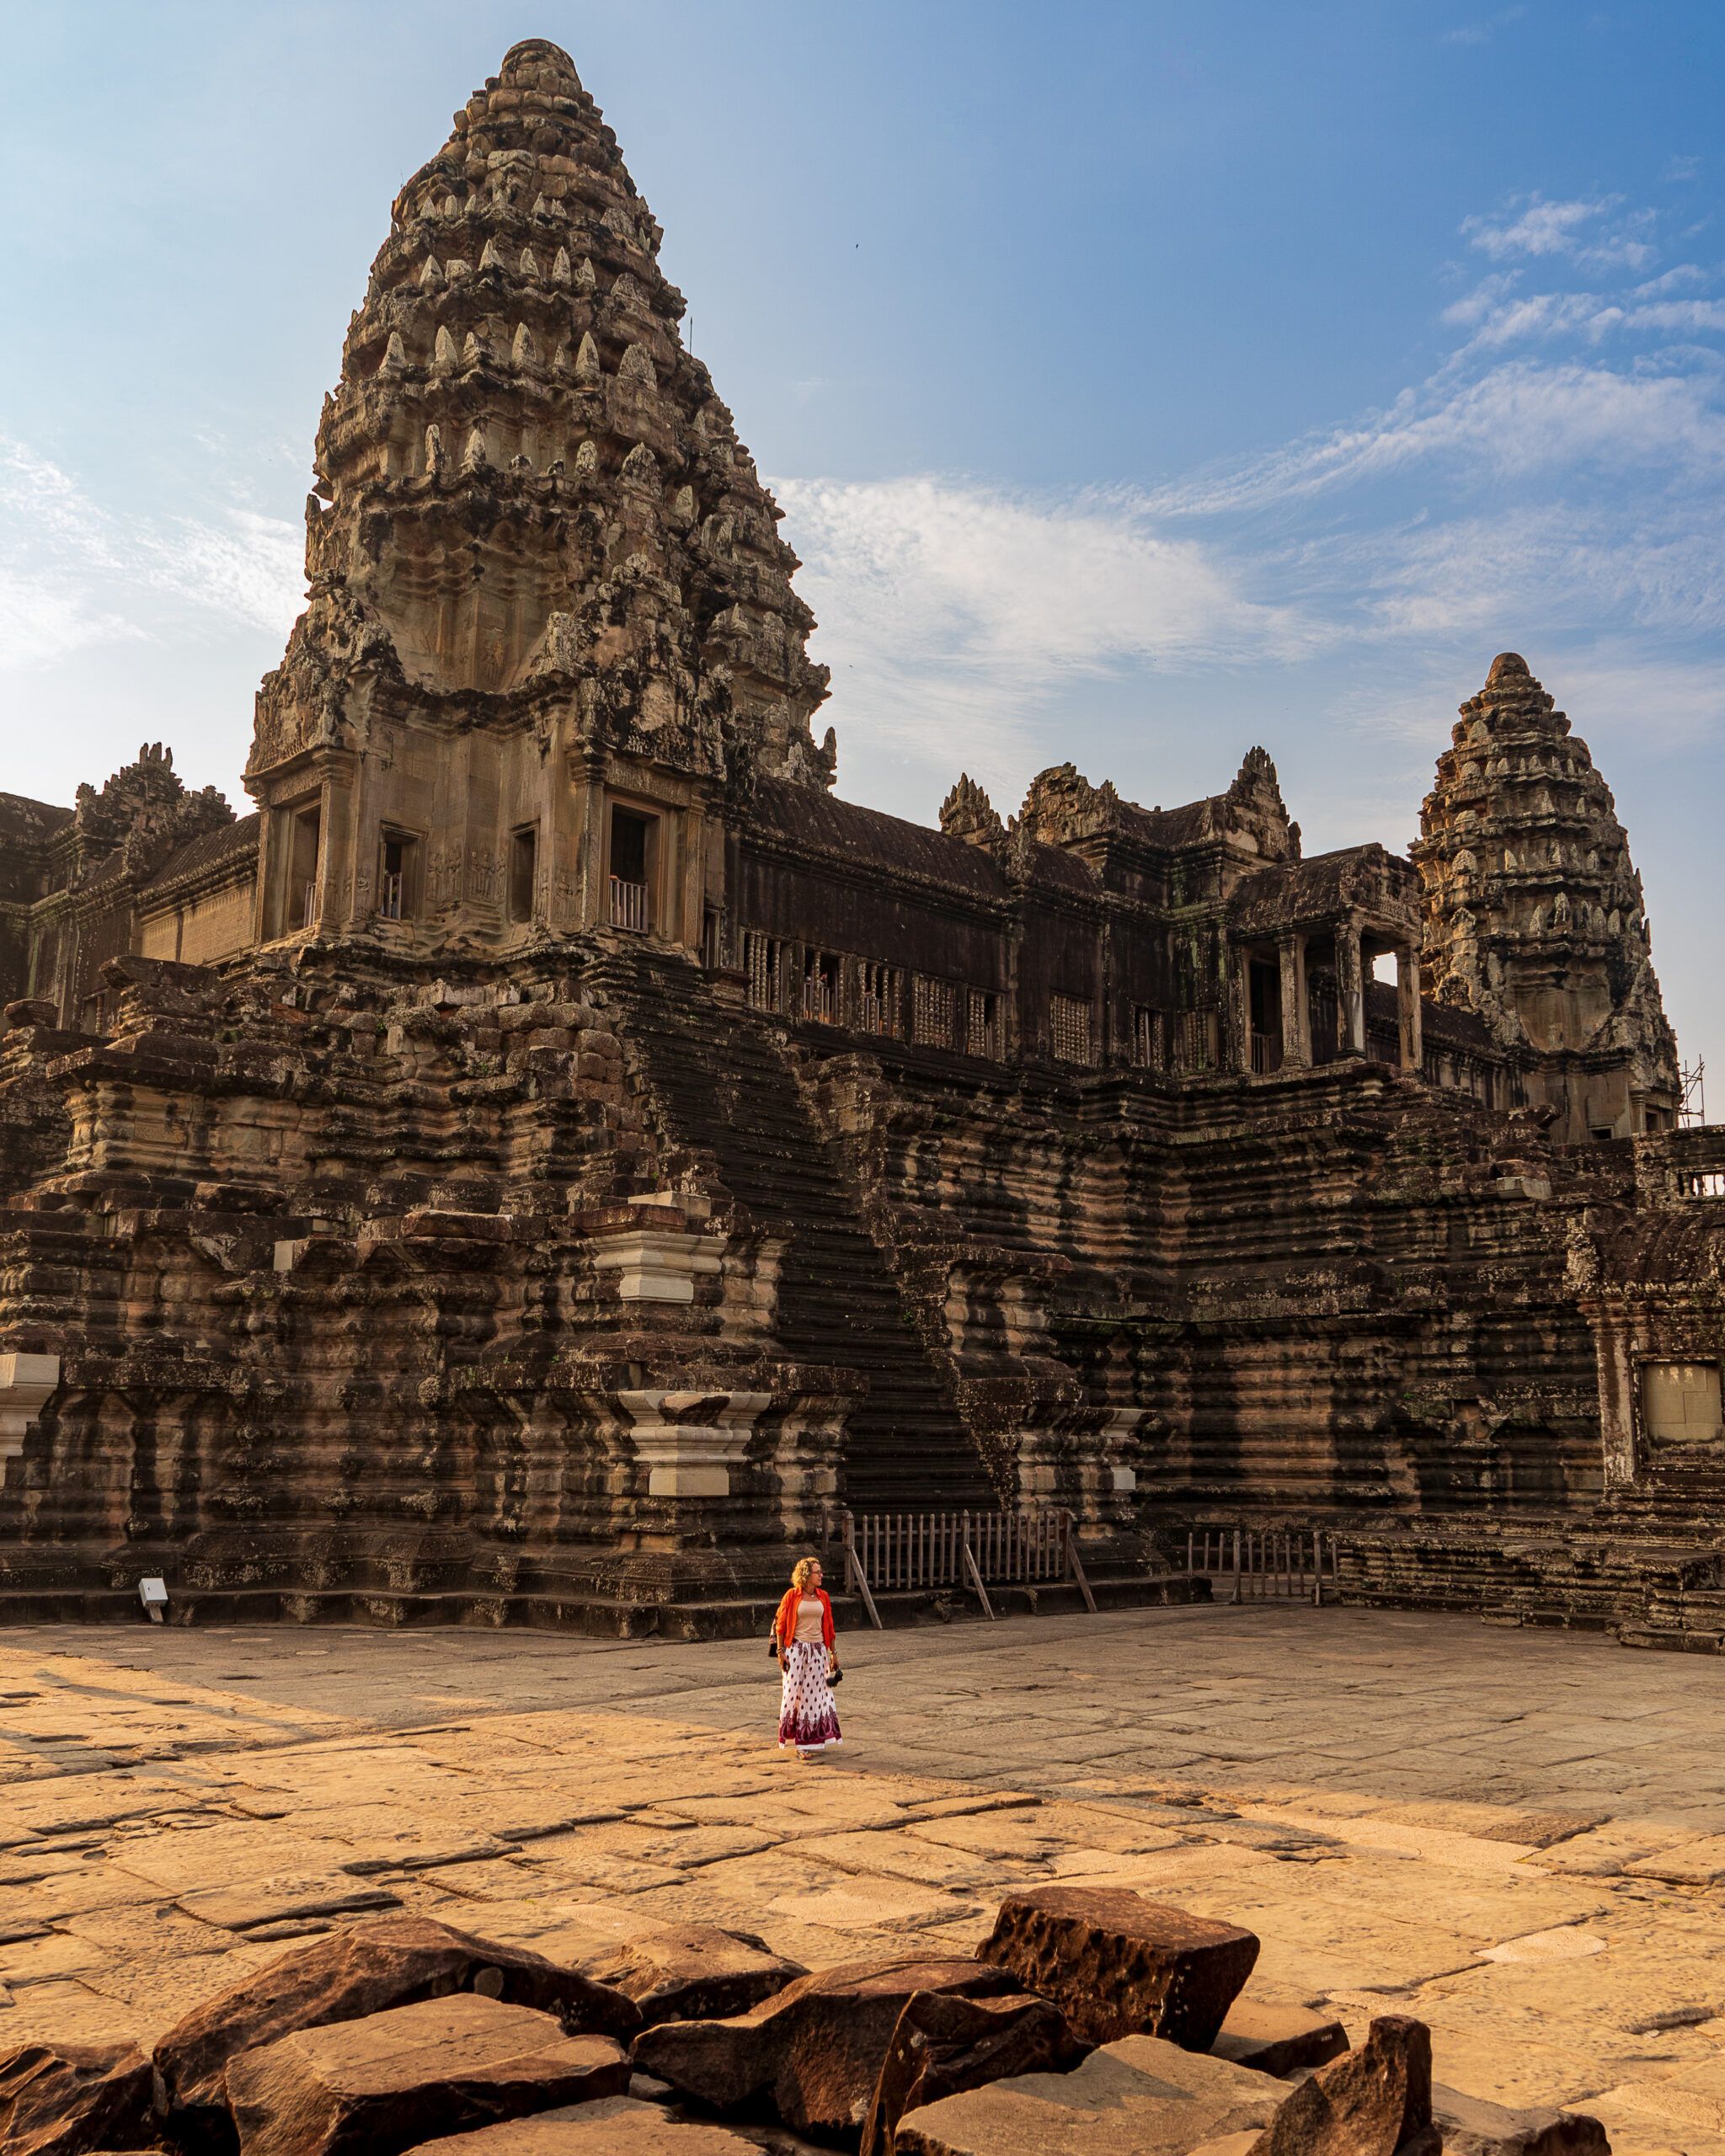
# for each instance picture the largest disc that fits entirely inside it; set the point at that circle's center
(1408, 1011)
(1350, 992)
(1296, 1016)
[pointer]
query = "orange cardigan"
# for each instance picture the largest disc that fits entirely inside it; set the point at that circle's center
(784, 1625)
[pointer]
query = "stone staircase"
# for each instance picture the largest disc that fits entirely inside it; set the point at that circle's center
(722, 1090)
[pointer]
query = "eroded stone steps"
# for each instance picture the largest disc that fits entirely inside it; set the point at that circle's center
(839, 1301)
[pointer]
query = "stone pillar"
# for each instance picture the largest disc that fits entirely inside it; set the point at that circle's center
(1241, 961)
(25, 1383)
(689, 1442)
(1350, 992)
(1296, 1016)
(656, 1261)
(1408, 1013)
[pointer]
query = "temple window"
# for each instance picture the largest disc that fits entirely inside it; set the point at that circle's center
(931, 1012)
(302, 867)
(764, 962)
(1069, 1021)
(712, 938)
(820, 987)
(1680, 1402)
(1147, 1038)
(879, 993)
(398, 879)
(523, 869)
(631, 849)
(982, 1023)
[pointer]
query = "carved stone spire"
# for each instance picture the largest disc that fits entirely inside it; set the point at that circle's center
(544, 540)
(1533, 909)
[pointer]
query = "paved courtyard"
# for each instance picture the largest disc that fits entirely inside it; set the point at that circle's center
(1517, 1836)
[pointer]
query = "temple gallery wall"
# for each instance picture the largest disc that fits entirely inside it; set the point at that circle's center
(554, 1154)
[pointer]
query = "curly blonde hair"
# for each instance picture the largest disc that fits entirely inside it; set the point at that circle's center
(803, 1571)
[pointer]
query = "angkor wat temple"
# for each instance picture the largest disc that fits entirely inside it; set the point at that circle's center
(554, 1154)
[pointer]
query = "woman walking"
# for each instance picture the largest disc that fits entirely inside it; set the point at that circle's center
(803, 1632)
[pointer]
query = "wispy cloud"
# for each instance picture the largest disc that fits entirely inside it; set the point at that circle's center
(954, 611)
(74, 573)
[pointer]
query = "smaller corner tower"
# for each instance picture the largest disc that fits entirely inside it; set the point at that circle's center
(1534, 917)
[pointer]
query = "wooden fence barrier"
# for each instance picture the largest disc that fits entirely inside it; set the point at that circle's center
(1266, 1564)
(908, 1552)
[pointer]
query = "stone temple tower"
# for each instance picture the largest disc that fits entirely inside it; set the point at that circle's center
(1533, 916)
(551, 627)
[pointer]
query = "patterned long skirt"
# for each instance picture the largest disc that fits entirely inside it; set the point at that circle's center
(808, 1716)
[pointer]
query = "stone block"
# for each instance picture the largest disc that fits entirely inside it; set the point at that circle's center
(1117, 1965)
(376, 2086)
(1138, 2097)
(1278, 2039)
(391, 1963)
(943, 2044)
(1371, 2101)
(685, 1972)
(817, 2049)
(611, 2126)
(1470, 2126)
(60, 2099)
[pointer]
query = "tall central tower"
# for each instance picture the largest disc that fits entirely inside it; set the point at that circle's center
(550, 626)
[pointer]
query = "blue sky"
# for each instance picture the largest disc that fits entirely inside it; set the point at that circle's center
(1141, 381)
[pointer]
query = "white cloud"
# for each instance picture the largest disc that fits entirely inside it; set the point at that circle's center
(74, 574)
(954, 613)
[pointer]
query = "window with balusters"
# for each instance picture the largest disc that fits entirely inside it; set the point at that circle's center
(982, 1025)
(764, 962)
(1069, 1025)
(931, 1012)
(880, 991)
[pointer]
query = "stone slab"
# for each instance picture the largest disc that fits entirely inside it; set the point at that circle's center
(379, 2085)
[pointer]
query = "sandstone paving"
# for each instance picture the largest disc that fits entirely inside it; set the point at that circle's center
(1394, 1828)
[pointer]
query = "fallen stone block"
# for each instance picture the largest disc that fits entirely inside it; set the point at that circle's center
(1278, 2039)
(394, 1962)
(60, 2099)
(614, 2126)
(1470, 2126)
(817, 2048)
(1117, 1965)
(1371, 2101)
(374, 2087)
(944, 2043)
(1138, 2097)
(685, 1972)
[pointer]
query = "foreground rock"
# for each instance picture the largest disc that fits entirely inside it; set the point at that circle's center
(1117, 1965)
(391, 1963)
(944, 2043)
(616, 2126)
(379, 2085)
(1371, 2101)
(60, 2099)
(1278, 2039)
(1138, 2097)
(817, 2049)
(1470, 2126)
(685, 1972)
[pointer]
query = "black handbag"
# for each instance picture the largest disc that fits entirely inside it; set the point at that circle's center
(838, 1676)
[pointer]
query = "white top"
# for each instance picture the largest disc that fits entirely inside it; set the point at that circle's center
(809, 1616)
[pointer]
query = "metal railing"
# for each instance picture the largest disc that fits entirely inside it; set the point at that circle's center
(1266, 1054)
(1270, 1564)
(392, 887)
(908, 1552)
(308, 904)
(628, 904)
